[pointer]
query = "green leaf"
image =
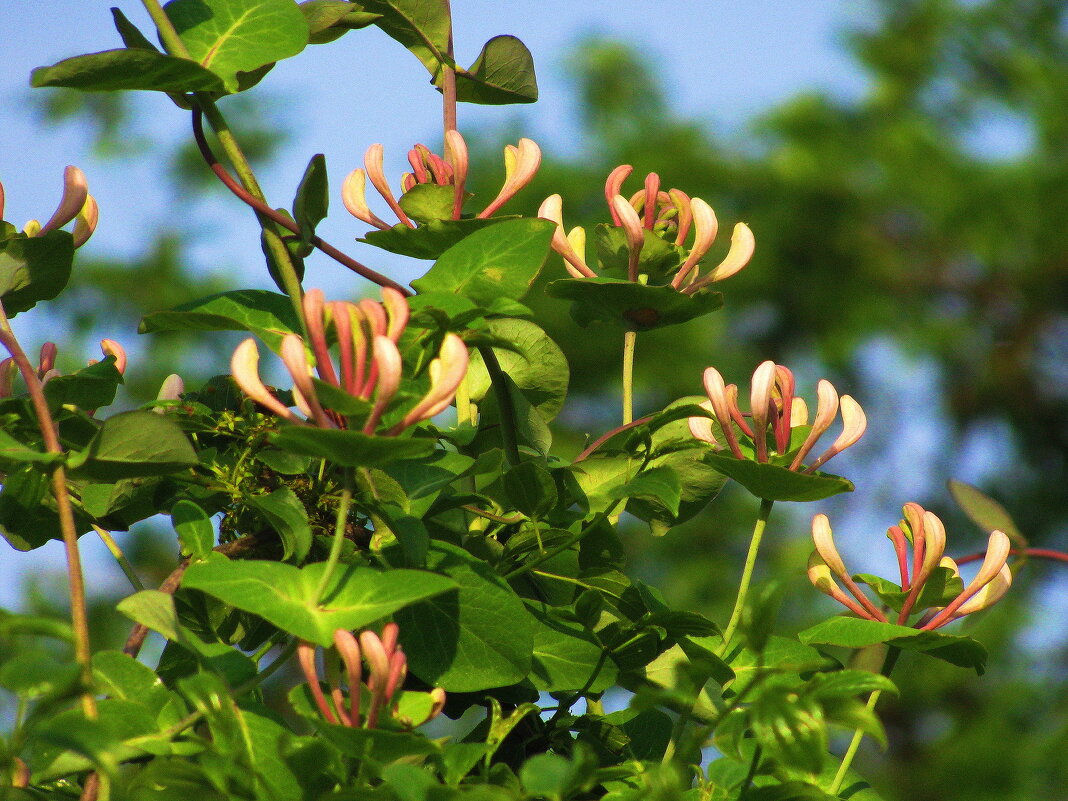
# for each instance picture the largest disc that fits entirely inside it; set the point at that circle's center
(11, 450)
(430, 240)
(132, 444)
(328, 20)
(852, 632)
(128, 69)
(282, 594)
(130, 33)
(233, 36)
(636, 307)
(984, 511)
(503, 73)
(119, 675)
(500, 261)
(530, 488)
(473, 638)
(268, 315)
(531, 359)
(426, 202)
(156, 610)
(195, 531)
(350, 448)
(312, 202)
(34, 269)
(91, 387)
(566, 655)
(848, 683)
(25, 522)
(790, 727)
(288, 517)
(774, 483)
(659, 483)
(422, 26)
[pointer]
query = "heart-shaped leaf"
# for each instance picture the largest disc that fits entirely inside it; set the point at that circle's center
(774, 483)
(637, 307)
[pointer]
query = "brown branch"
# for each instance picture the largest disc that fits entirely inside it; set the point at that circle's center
(171, 584)
(278, 218)
(601, 440)
(75, 578)
(1040, 553)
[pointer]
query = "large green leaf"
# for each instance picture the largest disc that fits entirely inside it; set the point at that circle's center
(115, 70)
(852, 632)
(428, 241)
(33, 269)
(268, 315)
(532, 360)
(25, 521)
(312, 202)
(89, 388)
(289, 518)
(354, 598)
(774, 483)
(350, 448)
(503, 73)
(196, 535)
(233, 36)
(11, 450)
(984, 511)
(634, 306)
(422, 26)
(133, 444)
(567, 656)
(473, 638)
(499, 261)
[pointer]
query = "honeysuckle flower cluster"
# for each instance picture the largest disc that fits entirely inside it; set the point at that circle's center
(924, 532)
(775, 408)
(369, 363)
(521, 162)
(387, 667)
(46, 364)
(671, 215)
(76, 204)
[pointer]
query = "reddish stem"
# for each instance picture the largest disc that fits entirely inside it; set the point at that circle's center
(278, 218)
(601, 440)
(1041, 553)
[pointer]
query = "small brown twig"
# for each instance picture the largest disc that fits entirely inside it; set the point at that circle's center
(601, 440)
(278, 218)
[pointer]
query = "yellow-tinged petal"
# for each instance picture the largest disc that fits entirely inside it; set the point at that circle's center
(397, 312)
(701, 427)
(86, 221)
(706, 226)
(388, 363)
(75, 192)
(989, 594)
(244, 367)
(823, 539)
(760, 405)
(372, 161)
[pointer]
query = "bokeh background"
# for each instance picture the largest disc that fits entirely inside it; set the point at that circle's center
(903, 164)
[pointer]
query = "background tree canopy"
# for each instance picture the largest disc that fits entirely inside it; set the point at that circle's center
(897, 254)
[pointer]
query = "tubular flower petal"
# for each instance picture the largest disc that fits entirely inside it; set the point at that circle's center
(760, 406)
(854, 424)
(372, 162)
(109, 347)
(85, 222)
(612, 187)
(47, 358)
(826, 411)
(244, 367)
(997, 552)
(819, 574)
(2, 200)
(988, 595)
(388, 359)
(823, 539)
(446, 373)
(314, 307)
(521, 164)
(75, 192)
(743, 245)
(552, 209)
(701, 427)
(354, 196)
(457, 158)
(798, 413)
(172, 388)
(721, 407)
(397, 312)
(706, 226)
(295, 358)
(632, 227)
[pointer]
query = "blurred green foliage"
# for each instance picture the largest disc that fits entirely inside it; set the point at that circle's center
(883, 218)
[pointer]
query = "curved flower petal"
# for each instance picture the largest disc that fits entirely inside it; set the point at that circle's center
(372, 161)
(75, 192)
(743, 245)
(244, 366)
(760, 406)
(354, 196)
(446, 373)
(527, 159)
(706, 226)
(85, 222)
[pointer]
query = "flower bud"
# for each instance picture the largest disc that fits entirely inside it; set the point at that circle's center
(446, 373)
(705, 226)
(372, 161)
(521, 164)
(75, 192)
(244, 366)
(85, 223)
(354, 196)
(109, 347)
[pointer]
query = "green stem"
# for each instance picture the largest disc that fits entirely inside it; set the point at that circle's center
(747, 575)
(858, 735)
(339, 537)
(754, 764)
(505, 405)
(75, 577)
(630, 339)
(545, 557)
(172, 42)
(120, 557)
